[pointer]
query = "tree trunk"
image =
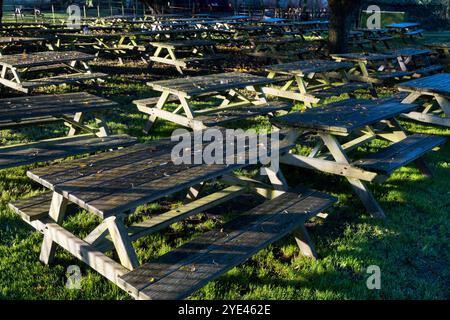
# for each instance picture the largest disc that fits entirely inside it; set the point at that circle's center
(342, 14)
(1, 11)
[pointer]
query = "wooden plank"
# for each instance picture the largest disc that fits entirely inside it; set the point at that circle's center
(343, 118)
(86, 253)
(24, 60)
(338, 168)
(133, 183)
(234, 114)
(51, 149)
(62, 79)
(399, 154)
(22, 108)
(159, 222)
(305, 67)
(122, 243)
(194, 86)
(338, 90)
(438, 83)
(184, 270)
(427, 118)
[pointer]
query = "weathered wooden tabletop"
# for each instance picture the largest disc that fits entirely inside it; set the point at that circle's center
(403, 25)
(439, 45)
(409, 52)
(195, 86)
(18, 40)
(23, 60)
(51, 105)
(372, 31)
(183, 44)
(305, 67)
(343, 118)
(362, 57)
(105, 35)
(113, 182)
(438, 83)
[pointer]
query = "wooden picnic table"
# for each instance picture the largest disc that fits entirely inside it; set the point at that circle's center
(374, 68)
(311, 81)
(174, 53)
(318, 28)
(337, 125)
(406, 29)
(436, 87)
(416, 60)
(71, 108)
(17, 67)
(376, 36)
(442, 47)
(227, 87)
(402, 26)
(113, 184)
(119, 44)
(8, 44)
(279, 49)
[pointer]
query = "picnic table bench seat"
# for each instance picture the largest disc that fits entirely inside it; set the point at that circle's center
(414, 32)
(52, 149)
(279, 55)
(338, 90)
(183, 44)
(386, 76)
(186, 269)
(380, 38)
(399, 154)
(428, 70)
(62, 79)
(233, 114)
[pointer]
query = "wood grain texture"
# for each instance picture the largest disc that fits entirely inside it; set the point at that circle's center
(344, 117)
(186, 269)
(399, 154)
(21, 108)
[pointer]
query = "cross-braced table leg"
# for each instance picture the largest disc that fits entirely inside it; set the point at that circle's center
(57, 212)
(159, 105)
(359, 186)
(426, 115)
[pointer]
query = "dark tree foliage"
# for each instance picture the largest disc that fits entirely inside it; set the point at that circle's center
(342, 15)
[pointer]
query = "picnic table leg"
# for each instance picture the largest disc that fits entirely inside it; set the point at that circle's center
(304, 242)
(277, 179)
(301, 84)
(413, 96)
(57, 212)
(397, 134)
(260, 95)
(359, 186)
(363, 68)
(174, 58)
(444, 103)
(103, 130)
(194, 191)
(73, 129)
(161, 102)
(402, 63)
(187, 108)
(122, 243)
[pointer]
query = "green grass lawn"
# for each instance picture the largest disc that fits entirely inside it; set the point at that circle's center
(411, 247)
